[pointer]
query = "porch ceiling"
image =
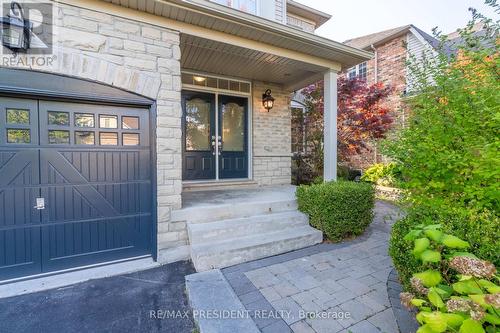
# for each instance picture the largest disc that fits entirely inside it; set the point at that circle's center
(201, 17)
(204, 55)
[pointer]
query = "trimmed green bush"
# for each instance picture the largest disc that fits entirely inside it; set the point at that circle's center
(339, 209)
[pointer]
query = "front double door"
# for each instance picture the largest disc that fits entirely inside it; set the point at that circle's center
(215, 130)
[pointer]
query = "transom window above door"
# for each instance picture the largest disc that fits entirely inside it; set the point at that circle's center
(211, 82)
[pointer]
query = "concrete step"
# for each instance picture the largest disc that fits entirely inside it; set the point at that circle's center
(209, 293)
(212, 213)
(201, 233)
(242, 249)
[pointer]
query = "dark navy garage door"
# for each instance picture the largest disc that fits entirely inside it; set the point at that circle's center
(75, 185)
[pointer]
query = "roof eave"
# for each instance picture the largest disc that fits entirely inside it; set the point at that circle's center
(307, 12)
(239, 17)
(386, 39)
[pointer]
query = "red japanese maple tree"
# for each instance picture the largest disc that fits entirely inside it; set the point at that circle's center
(362, 115)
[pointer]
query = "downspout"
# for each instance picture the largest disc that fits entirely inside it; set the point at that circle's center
(375, 60)
(375, 72)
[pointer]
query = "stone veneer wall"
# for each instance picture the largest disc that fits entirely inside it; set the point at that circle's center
(140, 58)
(271, 136)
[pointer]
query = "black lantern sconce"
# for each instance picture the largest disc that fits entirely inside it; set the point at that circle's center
(267, 100)
(16, 30)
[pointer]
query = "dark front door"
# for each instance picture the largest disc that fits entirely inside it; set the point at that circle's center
(233, 159)
(79, 179)
(198, 136)
(214, 136)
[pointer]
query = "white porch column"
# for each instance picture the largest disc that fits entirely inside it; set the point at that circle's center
(330, 126)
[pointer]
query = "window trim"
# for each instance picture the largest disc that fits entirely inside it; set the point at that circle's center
(356, 70)
(257, 7)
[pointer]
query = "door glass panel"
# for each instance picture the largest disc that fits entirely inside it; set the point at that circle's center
(84, 138)
(130, 139)
(58, 137)
(18, 135)
(58, 118)
(130, 122)
(233, 127)
(106, 121)
(16, 116)
(108, 139)
(197, 124)
(84, 120)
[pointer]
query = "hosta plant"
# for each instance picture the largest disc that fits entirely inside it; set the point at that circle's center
(457, 292)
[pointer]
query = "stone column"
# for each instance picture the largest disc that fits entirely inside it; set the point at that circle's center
(330, 125)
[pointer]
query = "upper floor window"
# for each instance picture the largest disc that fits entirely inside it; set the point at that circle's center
(359, 71)
(248, 6)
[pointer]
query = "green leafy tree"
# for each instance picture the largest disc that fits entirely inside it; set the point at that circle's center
(448, 154)
(449, 151)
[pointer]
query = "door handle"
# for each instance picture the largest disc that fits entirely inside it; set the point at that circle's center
(213, 144)
(219, 152)
(40, 203)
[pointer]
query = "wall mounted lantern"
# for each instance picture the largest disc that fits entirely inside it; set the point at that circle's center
(267, 100)
(16, 30)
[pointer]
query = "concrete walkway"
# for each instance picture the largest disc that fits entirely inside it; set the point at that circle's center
(323, 288)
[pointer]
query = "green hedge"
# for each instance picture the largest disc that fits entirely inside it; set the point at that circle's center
(481, 229)
(340, 209)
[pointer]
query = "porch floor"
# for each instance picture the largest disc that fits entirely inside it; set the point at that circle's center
(237, 196)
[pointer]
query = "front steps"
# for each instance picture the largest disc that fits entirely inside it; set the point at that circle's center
(226, 234)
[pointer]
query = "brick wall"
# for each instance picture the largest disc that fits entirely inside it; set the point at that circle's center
(271, 136)
(136, 57)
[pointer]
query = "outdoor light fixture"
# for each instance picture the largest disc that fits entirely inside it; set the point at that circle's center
(16, 29)
(199, 79)
(267, 100)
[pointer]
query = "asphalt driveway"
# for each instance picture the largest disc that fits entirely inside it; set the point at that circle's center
(137, 302)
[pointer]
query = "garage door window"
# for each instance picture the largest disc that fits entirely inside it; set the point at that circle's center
(18, 135)
(130, 123)
(84, 120)
(16, 116)
(106, 121)
(58, 137)
(84, 138)
(130, 139)
(108, 139)
(58, 118)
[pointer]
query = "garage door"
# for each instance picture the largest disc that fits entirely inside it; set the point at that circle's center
(75, 185)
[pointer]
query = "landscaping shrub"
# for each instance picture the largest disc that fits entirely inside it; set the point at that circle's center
(400, 251)
(448, 151)
(382, 174)
(454, 291)
(340, 209)
(481, 229)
